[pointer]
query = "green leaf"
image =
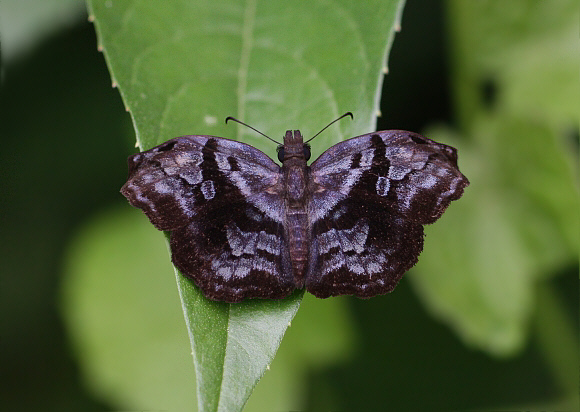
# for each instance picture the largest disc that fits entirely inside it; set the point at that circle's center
(182, 67)
(233, 344)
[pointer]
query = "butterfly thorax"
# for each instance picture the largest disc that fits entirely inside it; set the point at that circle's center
(295, 173)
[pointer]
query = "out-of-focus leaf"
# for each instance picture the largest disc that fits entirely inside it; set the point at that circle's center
(527, 49)
(518, 220)
(123, 315)
(23, 23)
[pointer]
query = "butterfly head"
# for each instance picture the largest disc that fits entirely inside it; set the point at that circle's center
(293, 146)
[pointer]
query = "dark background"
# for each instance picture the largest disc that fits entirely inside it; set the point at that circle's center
(65, 138)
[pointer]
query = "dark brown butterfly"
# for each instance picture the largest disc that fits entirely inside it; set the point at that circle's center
(243, 226)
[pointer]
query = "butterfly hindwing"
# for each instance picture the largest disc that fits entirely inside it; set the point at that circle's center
(361, 249)
(234, 252)
(221, 201)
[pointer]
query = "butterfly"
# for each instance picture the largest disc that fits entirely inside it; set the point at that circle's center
(242, 226)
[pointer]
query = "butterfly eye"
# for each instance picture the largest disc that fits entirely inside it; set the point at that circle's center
(307, 151)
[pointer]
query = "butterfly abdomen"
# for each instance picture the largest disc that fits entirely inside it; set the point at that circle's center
(298, 241)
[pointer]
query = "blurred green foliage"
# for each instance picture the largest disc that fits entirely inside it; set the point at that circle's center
(500, 268)
(515, 82)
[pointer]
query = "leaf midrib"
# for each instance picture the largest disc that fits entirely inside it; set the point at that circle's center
(229, 316)
(247, 44)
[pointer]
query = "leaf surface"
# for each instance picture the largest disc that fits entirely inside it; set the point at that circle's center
(182, 67)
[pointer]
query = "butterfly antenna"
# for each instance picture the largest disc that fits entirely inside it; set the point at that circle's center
(255, 130)
(330, 124)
